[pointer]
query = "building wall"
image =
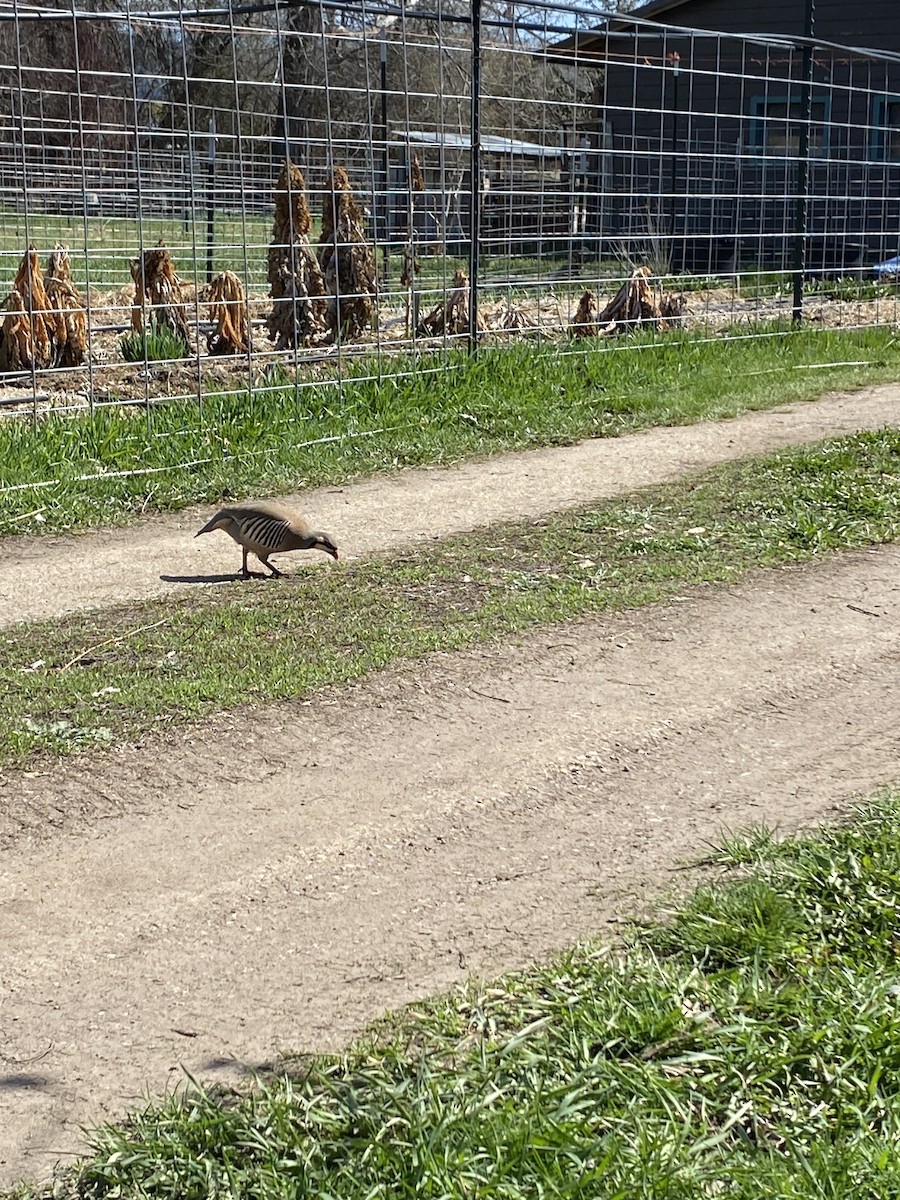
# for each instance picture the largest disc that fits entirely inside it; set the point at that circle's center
(707, 152)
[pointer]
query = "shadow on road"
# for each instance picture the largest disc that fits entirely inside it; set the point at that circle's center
(22, 1083)
(201, 578)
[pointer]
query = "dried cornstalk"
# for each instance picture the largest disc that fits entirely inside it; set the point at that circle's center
(585, 321)
(347, 260)
(295, 278)
(158, 298)
(26, 335)
(417, 179)
(68, 316)
(451, 317)
(633, 304)
(228, 308)
(29, 282)
(514, 319)
(340, 183)
(672, 308)
(19, 349)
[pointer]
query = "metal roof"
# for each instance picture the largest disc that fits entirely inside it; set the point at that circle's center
(489, 142)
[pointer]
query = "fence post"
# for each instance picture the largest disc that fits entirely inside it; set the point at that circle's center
(475, 176)
(674, 61)
(210, 204)
(385, 161)
(801, 210)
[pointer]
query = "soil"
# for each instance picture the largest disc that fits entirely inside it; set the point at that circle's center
(154, 556)
(274, 879)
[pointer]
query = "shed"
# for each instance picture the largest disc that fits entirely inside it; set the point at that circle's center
(525, 188)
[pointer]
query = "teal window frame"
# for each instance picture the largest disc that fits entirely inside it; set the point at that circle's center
(878, 141)
(761, 123)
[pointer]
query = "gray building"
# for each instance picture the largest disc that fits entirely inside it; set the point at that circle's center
(702, 122)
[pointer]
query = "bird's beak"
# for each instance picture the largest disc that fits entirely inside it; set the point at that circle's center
(334, 555)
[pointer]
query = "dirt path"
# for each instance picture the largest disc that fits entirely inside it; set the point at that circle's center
(279, 882)
(46, 577)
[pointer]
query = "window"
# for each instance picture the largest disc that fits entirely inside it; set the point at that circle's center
(886, 128)
(778, 122)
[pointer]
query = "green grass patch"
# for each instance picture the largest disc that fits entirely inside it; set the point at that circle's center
(770, 285)
(68, 472)
(157, 344)
(101, 247)
(700, 1060)
(97, 678)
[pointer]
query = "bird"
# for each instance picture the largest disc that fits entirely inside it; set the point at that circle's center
(263, 528)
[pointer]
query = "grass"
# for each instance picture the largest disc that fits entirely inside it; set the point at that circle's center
(101, 247)
(96, 679)
(746, 1047)
(157, 344)
(850, 288)
(63, 472)
(763, 285)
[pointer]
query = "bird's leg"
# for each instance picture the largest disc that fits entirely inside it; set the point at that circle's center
(246, 573)
(276, 574)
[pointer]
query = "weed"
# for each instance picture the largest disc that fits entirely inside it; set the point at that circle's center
(156, 344)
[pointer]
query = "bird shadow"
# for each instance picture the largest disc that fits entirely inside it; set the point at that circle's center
(206, 578)
(23, 1082)
(284, 576)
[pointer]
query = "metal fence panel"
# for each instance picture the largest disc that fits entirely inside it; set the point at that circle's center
(737, 171)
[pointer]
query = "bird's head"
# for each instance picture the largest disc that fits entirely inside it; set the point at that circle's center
(324, 542)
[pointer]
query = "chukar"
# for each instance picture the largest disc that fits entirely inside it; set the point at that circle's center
(264, 529)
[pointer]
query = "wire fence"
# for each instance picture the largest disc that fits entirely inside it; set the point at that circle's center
(255, 195)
